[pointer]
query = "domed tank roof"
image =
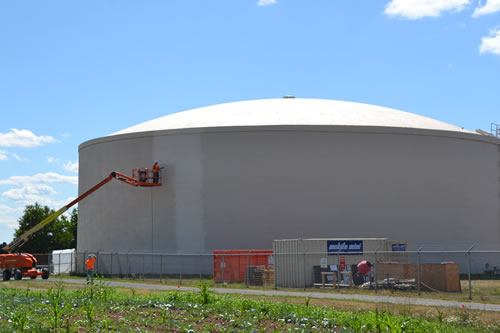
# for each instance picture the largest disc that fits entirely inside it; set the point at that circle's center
(291, 111)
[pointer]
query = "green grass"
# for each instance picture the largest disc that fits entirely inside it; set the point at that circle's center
(99, 307)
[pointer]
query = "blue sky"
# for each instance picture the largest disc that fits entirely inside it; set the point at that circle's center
(71, 71)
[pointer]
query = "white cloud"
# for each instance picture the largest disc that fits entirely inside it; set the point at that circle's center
(71, 166)
(10, 210)
(415, 9)
(6, 215)
(28, 195)
(45, 201)
(490, 7)
(9, 221)
(491, 44)
(40, 178)
(29, 192)
(266, 2)
(36, 188)
(4, 156)
(23, 138)
(52, 159)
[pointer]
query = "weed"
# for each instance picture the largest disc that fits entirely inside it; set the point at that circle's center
(19, 318)
(376, 321)
(175, 295)
(104, 325)
(102, 288)
(68, 325)
(164, 317)
(264, 308)
(55, 302)
(89, 304)
(463, 314)
(28, 286)
(205, 291)
(406, 310)
(308, 300)
(355, 323)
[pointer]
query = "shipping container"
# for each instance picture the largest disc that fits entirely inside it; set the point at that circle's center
(232, 265)
(299, 261)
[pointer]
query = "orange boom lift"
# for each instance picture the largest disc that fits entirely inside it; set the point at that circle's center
(24, 264)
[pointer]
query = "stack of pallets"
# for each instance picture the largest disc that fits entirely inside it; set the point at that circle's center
(260, 276)
(255, 275)
(268, 277)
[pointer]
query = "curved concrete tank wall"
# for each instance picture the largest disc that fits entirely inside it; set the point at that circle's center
(241, 187)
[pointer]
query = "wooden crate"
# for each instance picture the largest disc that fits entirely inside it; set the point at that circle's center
(268, 277)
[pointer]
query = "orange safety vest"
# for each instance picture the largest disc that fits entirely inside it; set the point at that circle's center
(156, 168)
(90, 263)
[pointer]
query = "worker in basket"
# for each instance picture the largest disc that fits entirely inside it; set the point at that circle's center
(90, 267)
(156, 172)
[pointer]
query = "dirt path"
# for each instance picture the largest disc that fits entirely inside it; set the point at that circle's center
(366, 298)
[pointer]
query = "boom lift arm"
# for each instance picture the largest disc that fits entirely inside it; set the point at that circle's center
(19, 241)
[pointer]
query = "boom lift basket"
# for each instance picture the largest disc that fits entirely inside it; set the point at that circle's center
(146, 177)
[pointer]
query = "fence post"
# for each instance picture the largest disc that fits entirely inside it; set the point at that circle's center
(223, 266)
(470, 264)
(180, 274)
(97, 266)
(339, 275)
(128, 267)
(161, 268)
(119, 263)
(304, 269)
(246, 270)
(143, 260)
(375, 270)
(200, 265)
(276, 266)
(418, 269)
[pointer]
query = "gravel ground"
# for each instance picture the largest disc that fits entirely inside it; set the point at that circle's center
(366, 298)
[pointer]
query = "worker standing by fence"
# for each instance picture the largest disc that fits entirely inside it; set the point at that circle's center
(90, 267)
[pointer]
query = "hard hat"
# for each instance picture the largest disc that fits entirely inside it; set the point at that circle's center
(156, 161)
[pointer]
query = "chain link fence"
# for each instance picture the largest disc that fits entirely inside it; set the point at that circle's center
(412, 270)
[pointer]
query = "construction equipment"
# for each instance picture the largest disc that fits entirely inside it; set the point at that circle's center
(24, 264)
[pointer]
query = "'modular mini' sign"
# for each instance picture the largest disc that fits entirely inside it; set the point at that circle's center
(345, 247)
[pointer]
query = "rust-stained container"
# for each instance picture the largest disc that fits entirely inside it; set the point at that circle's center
(231, 265)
